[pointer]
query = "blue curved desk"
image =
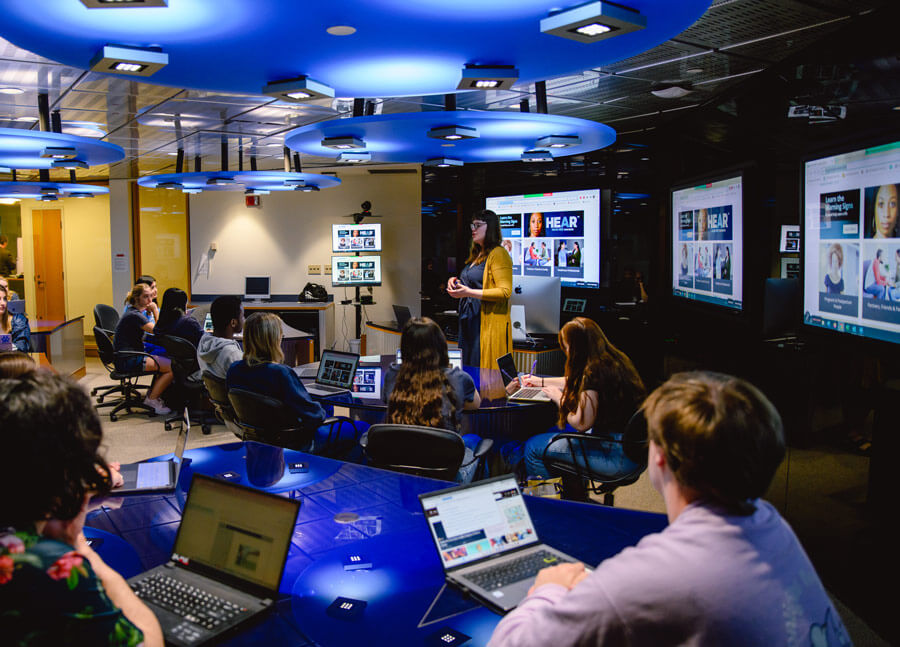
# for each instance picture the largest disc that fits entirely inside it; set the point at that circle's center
(404, 589)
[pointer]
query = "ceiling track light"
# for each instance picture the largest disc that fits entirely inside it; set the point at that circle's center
(354, 158)
(593, 22)
(123, 4)
(298, 90)
(558, 141)
(59, 152)
(256, 192)
(488, 77)
(135, 61)
(343, 143)
(70, 164)
(443, 162)
(537, 156)
(220, 181)
(169, 185)
(453, 133)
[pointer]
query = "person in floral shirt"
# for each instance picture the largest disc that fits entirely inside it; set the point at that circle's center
(54, 589)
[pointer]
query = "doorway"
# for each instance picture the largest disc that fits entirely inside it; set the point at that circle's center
(49, 289)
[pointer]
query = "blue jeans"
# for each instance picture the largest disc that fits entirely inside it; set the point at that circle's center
(877, 291)
(608, 458)
(467, 472)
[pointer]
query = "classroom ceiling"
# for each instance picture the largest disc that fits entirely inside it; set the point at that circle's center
(733, 42)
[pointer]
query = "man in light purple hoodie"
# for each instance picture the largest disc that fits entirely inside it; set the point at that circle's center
(728, 570)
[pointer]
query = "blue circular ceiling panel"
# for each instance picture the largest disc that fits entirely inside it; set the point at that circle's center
(396, 48)
(47, 190)
(30, 149)
(404, 137)
(239, 181)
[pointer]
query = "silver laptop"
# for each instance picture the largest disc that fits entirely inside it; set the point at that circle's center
(226, 564)
(487, 542)
(509, 373)
(155, 477)
(335, 375)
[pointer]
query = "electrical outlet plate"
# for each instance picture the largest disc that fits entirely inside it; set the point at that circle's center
(315, 269)
(328, 269)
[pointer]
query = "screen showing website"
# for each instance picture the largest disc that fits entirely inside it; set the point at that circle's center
(851, 243)
(552, 234)
(356, 238)
(707, 243)
(355, 270)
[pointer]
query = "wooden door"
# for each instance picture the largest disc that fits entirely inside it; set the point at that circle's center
(49, 289)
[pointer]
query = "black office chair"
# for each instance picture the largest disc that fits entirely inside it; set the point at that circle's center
(105, 317)
(423, 451)
(266, 420)
(576, 468)
(217, 390)
(132, 400)
(186, 369)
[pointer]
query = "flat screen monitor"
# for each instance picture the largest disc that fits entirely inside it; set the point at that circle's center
(851, 242)
(540, 297)
(552, 235)
(256, 288)
(356, 238)
(355, 270)
(707, 242)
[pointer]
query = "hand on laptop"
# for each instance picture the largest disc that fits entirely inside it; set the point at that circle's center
(554, 393)
(567, 575)
(115, 475)
(513, 386)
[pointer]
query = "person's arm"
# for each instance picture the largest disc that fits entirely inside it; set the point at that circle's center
(308, 411)
(499, 266)
(533, 380)
(21, 333)
(585, 414)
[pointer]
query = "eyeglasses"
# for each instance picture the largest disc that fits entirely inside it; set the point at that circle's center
(477, 224)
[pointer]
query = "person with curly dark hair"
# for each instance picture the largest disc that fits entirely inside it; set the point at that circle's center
(54, 589)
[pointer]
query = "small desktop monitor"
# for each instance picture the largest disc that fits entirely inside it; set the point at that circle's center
(349, 271)
(540, 297)
(356, 238)
(256, 288)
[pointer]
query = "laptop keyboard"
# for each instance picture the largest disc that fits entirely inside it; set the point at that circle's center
(328, 389)
(186, 601)
(154, 474)
(515, 570)
(528, 392)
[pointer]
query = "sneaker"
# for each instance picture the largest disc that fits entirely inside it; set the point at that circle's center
(158, 406)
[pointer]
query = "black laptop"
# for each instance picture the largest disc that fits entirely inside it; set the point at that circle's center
(402, 315)
(487, 542)
(226, 565)
(155, 477)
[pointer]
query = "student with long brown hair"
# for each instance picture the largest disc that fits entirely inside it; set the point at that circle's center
(600, 391)
(425, 390)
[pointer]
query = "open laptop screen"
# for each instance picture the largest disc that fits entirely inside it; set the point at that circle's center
(454, 355)
(367, 382)
(477, 521)
(237, 530)
(336, 368)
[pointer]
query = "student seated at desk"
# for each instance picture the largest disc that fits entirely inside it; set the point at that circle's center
(218, 351)
(14, 325)
(173, 320)
(54, 589)
(728, 570)
(261, 371)
(425, 390)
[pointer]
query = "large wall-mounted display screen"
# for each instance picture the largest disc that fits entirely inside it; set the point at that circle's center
(851, 243)
(356, 238)
(552, 234)
(355, 270)
(707, 242)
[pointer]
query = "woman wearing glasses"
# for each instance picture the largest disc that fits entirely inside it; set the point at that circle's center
(483, 288)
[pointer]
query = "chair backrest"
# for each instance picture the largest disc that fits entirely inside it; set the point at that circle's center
(183, 355)
(217, 390)
(423, 451)
(105, 349)
(267, 420)
(105, 316)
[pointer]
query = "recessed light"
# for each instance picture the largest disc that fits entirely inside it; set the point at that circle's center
(309, 188)
(59, 152)
(354, 158)
(220, 181)
(123, 4)
(192, 191)
(256, 192)
(558, 141)
(49, 190)
(70, 164)
(298, 89)
(670, 92)
(593, 22)
(694, 70)
(343, 143)
(48, 197)
(488, 77)
(294, 183)
(172, 154)
(136, 61)
(453, 133)
(79, 194)
(27, 119)
(443, 162)
(169, 185)
(9, 90)
(537, 156)
(341, 30)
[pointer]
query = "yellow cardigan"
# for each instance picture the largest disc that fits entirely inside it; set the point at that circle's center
(496, 330)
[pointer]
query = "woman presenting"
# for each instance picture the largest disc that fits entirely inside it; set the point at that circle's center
(483, 288)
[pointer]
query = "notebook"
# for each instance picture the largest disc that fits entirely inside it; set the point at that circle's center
(486, 540)
(402, 315)
(226, 564)
(509, 373)
(155, 477)
(453, 354)
(367, 383)
(335, 375)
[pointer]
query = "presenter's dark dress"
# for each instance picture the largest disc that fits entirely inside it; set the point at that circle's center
(472, 276)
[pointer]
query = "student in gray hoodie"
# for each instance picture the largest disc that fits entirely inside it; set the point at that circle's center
(218, 351)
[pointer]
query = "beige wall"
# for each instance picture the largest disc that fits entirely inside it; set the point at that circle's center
(164, 247)
(291, 230)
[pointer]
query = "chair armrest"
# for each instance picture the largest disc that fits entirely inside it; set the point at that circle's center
(335, 422)
(483, 447)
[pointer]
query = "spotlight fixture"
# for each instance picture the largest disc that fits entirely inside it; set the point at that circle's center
(129, 60)
(123, 4)
(81, 195)
(488, 77)
(558, 141)
(220, 181)
(48, 197)
(70, 164)
(309, 188)
(295, 183)
(49, 190)
(354, 158)
(537, 156)
(593, 22)
(169, 185)
(443, 162)
(192, 191)
(59, 152)
(256, 192)
(298, 90)
(343, 143)
(10, 90)
(453, 133)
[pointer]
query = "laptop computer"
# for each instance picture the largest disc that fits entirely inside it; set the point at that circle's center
(402, 315)
(367, 383)
(453, 354)
(486, 540)
(508, 373)
(226, 564)
(335, 374)
(155, 477)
